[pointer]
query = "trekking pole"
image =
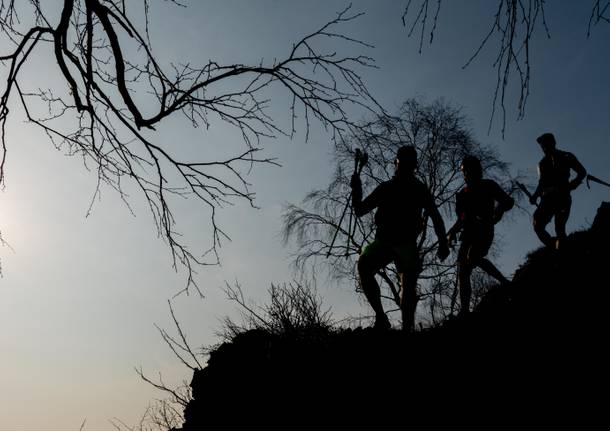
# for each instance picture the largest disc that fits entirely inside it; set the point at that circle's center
(351, 230)
(357, 157)
(595, 180)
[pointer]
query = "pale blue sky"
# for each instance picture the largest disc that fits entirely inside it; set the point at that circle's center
(79, 296)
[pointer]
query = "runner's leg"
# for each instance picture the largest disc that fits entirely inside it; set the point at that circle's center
(542, 217)
(373, 258)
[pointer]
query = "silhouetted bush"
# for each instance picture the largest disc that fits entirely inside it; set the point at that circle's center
(293, 309)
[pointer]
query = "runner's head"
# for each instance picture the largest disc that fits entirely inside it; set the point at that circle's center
(406, 160)
(547, 142)
(472, 169)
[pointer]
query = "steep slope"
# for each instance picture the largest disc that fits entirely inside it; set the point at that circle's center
(536, 347)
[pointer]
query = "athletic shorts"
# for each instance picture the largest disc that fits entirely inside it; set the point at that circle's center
(476, 242)
(380, 253)
(553, 204)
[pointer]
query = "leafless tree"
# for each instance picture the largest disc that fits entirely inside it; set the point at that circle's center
(115, 91)
(293, 308)
(167, 412)
(441, 135)
(513, 25)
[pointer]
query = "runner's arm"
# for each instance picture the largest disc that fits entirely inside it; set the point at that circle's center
(580, 170)
(459, 222)
(362, 207)
(505, 202)
(439, 226)
(538, 192)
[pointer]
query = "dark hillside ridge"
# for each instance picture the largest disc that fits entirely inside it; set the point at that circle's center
(538, 346)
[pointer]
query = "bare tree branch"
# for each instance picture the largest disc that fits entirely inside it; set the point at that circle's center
(167, 413)
(600, 12)
(513, 25)
(113, 102)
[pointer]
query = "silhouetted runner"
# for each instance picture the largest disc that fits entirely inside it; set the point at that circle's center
(554, 187)
(477, 213)
(400, 203)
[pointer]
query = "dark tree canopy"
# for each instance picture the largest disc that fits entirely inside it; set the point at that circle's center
(114, 92)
